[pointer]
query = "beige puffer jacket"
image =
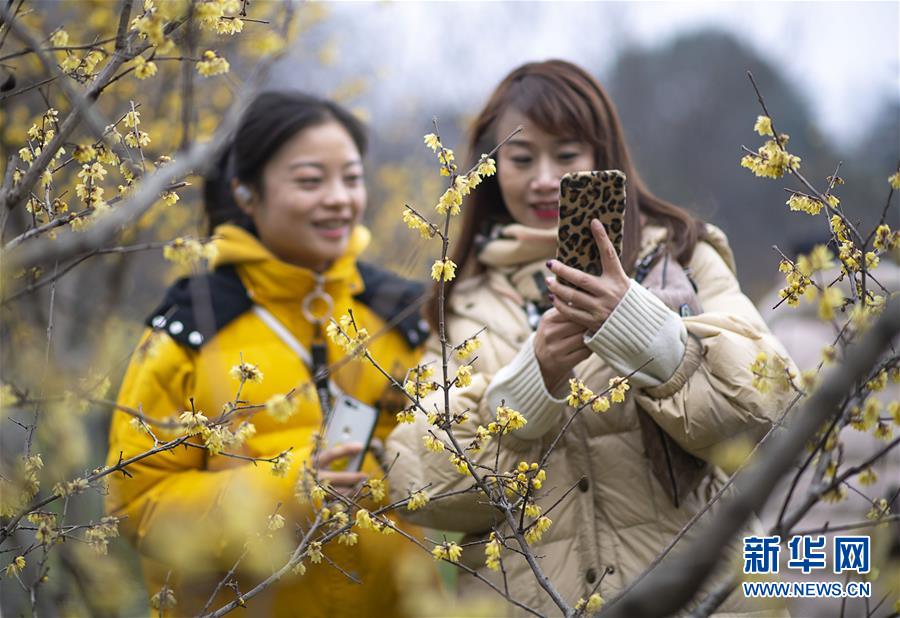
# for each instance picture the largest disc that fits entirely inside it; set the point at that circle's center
(618, 515)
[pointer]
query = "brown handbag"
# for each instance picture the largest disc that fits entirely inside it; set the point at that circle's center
(678, 472)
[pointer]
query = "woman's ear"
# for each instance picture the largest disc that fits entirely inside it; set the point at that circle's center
(243, 195)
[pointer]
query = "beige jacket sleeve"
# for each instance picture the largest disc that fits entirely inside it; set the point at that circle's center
(416, 467)
(710, 397)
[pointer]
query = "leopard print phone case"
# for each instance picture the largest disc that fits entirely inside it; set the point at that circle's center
(585, 196)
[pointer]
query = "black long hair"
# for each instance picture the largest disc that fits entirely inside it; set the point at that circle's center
(269, 121)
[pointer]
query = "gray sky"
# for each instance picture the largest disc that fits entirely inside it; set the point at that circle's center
(844, 56)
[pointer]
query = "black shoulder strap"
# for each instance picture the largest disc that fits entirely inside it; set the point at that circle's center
(196, 308)
(390, 296)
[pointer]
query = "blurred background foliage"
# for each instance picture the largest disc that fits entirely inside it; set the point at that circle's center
(686, 105)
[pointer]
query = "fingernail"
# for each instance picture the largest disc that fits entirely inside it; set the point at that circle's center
(549, 263)
(552, 297)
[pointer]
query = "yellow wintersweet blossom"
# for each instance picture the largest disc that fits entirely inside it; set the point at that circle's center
(188, 251)
(280, 407)
(339, 332)
(137, 139)
(212, 64)
(867, 477)
(443, 270)
(407, 416)
(486, 166)
(246, 372)
(432, 141)
(15, 567)
(463, 376)
(537, 529)
(70, 63)
(314, 553)
(492, 553)
(447, 551)
(894, 410)
(885, 239)
(803, 203)
(419, 383)
(70, 488)
(132, 119)
(466, 348)
(377, 488)
(192, 421)
(460, 464)
(883, 431)
(60, 38)
(763, 126)
(84, 153)
(878, 383)
(299, 569)
(771, 161)
(768, 370)
(93, 172)
(432, 444)
(619, 386)
(348, 538)
(417, 500)
(579, 394)
(894, 180)
(281, 464)
(275, 522)
(230, 26)
(414, 222)
(600, 404)
(595, 601)
(450, 201)
(364, 520)
(532, 510)
(446, 159)
(831, 299)
(506, 420)
(144, 69)
(879, 509)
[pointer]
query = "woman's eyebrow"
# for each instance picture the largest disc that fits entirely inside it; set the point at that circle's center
(297, 164)
(524, 143)
(319, 166)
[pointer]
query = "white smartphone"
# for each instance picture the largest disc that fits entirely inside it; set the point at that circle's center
(350, 421)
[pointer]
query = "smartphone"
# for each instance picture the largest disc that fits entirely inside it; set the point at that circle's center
(350, 421)
(584, 196)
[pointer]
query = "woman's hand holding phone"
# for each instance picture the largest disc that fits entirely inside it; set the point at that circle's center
(558, 347)
(342, 481)
(591, 304)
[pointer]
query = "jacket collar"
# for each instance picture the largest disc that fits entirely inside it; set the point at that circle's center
(268, 278)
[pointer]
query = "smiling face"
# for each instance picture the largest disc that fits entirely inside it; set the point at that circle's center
(312, 195)
(530, 165)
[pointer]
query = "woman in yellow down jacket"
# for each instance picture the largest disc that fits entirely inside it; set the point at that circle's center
(287, 254)
(670, 311)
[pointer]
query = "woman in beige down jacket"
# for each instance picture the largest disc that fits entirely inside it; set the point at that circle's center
(691, 352)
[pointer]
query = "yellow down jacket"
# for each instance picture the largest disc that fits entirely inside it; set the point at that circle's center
(190, 514)
(615, 517)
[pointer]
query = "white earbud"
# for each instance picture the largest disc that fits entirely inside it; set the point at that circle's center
(243, 193)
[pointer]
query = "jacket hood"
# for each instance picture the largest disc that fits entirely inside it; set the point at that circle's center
(267, 277)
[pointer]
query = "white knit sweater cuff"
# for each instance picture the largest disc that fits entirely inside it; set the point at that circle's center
(520, 385)
(639, 329)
